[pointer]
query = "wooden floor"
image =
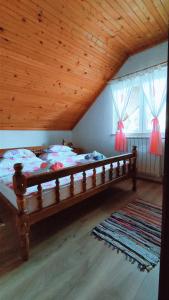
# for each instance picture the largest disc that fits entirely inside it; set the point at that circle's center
(67, 263)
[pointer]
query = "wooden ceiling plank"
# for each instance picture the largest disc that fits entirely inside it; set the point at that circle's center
(118, 20)
(155, 34)
(73, 98)
(162, 11)
(131, 14)
(119, 34)
(31, 62)
(149, 11)
(70, 79)
(165, 4)
(125, 35)
(48, 93)
(76, 27)
(155, 9)
(142, 17)
(115, 6)
(75, 70)
(63, 49)
(53, 33)
(135, 42)
(138, 41)
(63, 69)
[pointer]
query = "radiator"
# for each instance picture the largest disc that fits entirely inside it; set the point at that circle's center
(148, 165)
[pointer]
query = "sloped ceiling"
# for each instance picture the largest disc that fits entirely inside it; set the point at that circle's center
(57, 55)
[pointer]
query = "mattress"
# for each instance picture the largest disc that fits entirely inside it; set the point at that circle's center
(48, 192)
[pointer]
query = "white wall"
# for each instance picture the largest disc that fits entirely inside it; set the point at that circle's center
(144, 59)
(21, 138)
(93, 132)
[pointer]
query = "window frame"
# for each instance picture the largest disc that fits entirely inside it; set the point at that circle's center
(143, 131)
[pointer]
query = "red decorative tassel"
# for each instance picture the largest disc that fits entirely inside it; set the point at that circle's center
(155, 138)
(120, 138)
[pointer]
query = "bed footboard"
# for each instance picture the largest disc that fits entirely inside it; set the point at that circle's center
(125, 168)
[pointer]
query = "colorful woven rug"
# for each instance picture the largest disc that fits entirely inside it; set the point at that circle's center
(135, 231)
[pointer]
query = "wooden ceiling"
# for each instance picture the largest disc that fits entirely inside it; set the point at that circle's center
(57, 55)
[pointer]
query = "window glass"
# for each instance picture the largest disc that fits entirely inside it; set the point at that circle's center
(131, 119)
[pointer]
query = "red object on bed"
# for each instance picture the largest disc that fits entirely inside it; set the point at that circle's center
(57, 166)
(44, 165)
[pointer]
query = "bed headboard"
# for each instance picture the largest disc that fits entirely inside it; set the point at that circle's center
(35, 149)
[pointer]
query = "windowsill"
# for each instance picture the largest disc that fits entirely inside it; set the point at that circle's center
(139, 135)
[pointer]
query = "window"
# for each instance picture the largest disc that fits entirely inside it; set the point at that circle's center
(142, 106)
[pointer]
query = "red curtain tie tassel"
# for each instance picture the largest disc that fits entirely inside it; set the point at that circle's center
(120, 138)
(120, 125)
(156, 125)
(155, 138)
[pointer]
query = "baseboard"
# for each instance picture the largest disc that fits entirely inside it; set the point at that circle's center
(150, 178)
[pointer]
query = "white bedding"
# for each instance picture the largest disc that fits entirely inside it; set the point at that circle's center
(48, 193)
(29, 164)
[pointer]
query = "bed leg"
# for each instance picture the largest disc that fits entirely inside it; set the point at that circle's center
(134, 169)
(134, 186)
(23, 226)
(23, 231)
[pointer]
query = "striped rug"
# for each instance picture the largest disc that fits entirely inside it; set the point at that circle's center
(135, 231)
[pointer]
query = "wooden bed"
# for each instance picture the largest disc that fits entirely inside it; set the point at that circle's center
(25, 219)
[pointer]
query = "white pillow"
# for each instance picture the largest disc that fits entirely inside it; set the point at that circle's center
(18, 153)
(58, 148)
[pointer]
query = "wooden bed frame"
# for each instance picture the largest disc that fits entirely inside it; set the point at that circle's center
(24, 219)
(35, 149)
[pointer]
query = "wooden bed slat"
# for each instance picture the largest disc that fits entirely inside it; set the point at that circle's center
(118, 169)
(57, 190)
(39, 196)
(124, 167)
(94, 177)
(103, 175)
(71, 185)
(111, 172)
(84, 181)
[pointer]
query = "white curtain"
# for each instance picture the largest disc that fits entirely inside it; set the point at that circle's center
(154, 84)
(121, 91)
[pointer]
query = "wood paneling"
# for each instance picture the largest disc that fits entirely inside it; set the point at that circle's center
(56, 56)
